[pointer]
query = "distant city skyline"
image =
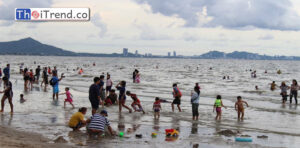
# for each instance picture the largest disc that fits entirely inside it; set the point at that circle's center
(153, 26)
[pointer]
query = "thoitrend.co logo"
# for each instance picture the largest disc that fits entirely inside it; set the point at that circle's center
(52, 14)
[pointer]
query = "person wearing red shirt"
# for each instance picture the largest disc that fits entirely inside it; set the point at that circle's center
(136, 102)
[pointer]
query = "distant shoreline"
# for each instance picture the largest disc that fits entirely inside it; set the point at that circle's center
(32, 47)
(153, 57)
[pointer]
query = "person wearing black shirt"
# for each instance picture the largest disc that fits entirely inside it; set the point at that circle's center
(94, 95)
(37, 73)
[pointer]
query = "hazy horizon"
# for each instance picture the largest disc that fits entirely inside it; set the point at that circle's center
(190, 27)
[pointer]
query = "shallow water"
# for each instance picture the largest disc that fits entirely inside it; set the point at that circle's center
(265, 115)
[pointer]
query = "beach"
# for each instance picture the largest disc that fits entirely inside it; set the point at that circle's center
(10, 138)
(266, 115)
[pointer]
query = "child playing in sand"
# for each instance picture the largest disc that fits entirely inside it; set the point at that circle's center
(77, 120)
(239, 107)
(136, 102)
(218, 107)
(69, 97)
(156, 108)
(122, 97)
(22, 100)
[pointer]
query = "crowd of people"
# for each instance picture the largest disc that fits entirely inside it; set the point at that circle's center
(101, 92)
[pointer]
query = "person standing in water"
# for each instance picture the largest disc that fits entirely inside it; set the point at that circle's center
(134, 75)
(8, 94)
(94, 95)
(294, 91)
(177, 97)
(195, 102)
(156, 108)
(122, 96)
(54, 70)
(109, 84)
(137, 77)
(239, 107)
(101, 89)
(54, 82)
(37, 73)
(283, 93)
(26, 79)
(218, 107)
(45, 79)
(6, 71)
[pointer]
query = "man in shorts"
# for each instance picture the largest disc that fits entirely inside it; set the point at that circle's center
(94, 95)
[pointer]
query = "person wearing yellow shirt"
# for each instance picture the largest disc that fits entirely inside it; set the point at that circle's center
(77, 120)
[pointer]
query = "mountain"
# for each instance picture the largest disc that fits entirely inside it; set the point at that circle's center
(213, 55)
(29, 46)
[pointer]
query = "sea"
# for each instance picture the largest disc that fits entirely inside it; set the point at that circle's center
(266, 115)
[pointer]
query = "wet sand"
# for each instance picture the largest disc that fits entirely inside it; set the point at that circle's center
(11, 138)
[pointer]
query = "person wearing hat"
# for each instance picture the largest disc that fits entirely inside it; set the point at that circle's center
(98, 122)
(8, 94)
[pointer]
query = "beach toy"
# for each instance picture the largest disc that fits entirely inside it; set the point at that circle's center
(154, 135)
(243, 139)
(172, 132)
(121, 134)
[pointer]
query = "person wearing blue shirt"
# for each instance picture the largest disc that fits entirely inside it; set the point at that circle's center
(122, 97)
(6, 71)
(55, 85)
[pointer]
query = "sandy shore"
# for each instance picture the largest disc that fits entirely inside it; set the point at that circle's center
(11, 138)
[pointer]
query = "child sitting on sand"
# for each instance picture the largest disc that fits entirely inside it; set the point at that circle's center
(136, 102)
(218, 107)
(22, 100)
(107, 102)
(156, 108)
(77, 120)
(239, 107)
(69, 97)
(113, 96)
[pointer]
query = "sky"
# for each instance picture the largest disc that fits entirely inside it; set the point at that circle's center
(189, 27)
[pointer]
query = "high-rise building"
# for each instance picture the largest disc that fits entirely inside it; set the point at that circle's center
(136, 52)
(125, 52)
(169, 54)
(174, 53)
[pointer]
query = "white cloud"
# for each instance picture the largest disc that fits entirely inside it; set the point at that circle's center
(98, 22)
(237, 14)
